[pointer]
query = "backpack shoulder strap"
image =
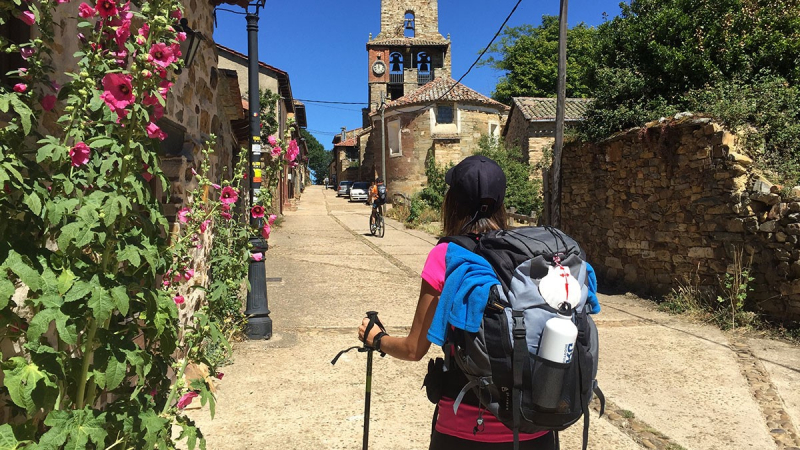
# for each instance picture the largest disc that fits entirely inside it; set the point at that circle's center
(468, 241)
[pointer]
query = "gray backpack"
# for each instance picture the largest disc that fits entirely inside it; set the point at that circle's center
(500, 362)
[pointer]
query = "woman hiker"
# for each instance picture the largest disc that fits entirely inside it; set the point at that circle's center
(473, 205)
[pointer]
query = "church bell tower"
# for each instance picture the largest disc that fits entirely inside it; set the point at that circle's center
(408, 52)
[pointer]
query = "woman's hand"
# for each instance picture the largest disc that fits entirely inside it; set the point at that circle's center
(372, 333)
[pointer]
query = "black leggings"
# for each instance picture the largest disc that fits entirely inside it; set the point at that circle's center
(441, 441)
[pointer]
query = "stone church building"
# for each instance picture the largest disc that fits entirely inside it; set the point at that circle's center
(427, 114)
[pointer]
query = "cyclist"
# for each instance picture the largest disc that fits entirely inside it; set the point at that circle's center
(378, 193)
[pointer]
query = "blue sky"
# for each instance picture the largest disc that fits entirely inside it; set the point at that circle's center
(322, 45)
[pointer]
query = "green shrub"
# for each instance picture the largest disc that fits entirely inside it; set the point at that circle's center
(522, 192)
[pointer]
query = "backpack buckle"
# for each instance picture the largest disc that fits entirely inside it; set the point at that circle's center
(519, 324)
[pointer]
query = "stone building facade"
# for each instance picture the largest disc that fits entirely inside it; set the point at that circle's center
(531, 124)
(675, 203)
(277, 81)
(443, 120)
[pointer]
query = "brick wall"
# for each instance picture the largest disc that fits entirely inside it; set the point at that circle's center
(674, 202)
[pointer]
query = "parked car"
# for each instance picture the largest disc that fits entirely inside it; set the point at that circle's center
(343, 188)
(359, 191)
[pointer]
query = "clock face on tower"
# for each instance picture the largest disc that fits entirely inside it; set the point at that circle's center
(378, 68)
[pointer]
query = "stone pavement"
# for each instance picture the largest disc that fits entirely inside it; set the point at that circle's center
(670, 383)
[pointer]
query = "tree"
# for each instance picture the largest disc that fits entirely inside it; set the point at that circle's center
(318, 157)
(529, 56)
(735, 59)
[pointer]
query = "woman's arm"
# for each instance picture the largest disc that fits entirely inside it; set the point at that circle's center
(414, 346)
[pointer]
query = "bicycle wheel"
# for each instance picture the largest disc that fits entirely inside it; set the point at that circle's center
(373, 224)
(381, 226)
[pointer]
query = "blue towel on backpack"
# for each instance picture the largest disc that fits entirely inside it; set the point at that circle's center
(468, 280)
(591, 299)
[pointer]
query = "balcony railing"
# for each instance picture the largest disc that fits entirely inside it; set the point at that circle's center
(424, 78)
(396, 78)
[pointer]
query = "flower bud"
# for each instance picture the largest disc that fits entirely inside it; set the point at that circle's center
(83, 92)
(84, 74)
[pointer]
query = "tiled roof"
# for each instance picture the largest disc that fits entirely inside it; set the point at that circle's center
(347, 143)
(440, 90)
(407, 42)
(544, 109)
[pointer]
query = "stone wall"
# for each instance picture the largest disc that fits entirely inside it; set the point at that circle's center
(672, 203)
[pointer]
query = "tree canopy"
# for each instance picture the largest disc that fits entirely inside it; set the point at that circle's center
(529, 57)
(318, 157)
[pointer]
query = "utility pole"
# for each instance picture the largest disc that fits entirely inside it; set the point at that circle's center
(383, 148)
(383, 138)
(259, 324)
(555, 200)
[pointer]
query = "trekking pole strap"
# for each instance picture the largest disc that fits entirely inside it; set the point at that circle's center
(373, 320)
(336, 358)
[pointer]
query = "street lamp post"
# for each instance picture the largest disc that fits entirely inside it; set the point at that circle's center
(259, 324)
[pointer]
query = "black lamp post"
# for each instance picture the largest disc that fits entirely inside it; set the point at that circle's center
(259, 324)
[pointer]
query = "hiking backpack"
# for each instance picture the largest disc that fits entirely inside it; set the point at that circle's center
(382, 192)
(500, 361)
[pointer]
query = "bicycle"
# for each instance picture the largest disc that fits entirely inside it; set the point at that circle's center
(377, 226)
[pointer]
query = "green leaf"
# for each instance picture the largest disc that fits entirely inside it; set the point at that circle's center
(26, 273)
(7, 290)
(79, 290)
(121, 299)
(65, 281)
(153, 426)
(41, 323)
(113, 366)
(130, 253)
(34, 203)
(75, 232)
(4, 102)
(101, 142)
(7, 439)
(29, 387)
(77, 428)
(68, 332)
(101, 303)
(24, 113)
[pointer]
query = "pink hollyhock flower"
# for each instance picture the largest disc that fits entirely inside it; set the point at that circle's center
(220, 375)
(272, 141)
(118, 93)
(188, 274)
(271, 219)
(86, 11)
(293, 164)
(266, 231)
(186, 399)
(181, 36)
(215, 186)
(276, 151)
(145, 30)
(140, 40)
(258, 256)
(163, 87)
(162, 54)
(28, 17)
(166, 282)
(204, 226)
(107, 8)
(226, 215)
(48, 102)
(20, 87)
(183, 215)
(122, 34)
(176, 14)
(146, 174)
(178, 299)
(63, 1)
(228, 195)
(26, 52)
(257, 211)
(293, 150)
(79, 154)
(153, 132)
(176, 50)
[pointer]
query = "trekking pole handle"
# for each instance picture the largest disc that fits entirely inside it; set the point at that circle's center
(373, 320)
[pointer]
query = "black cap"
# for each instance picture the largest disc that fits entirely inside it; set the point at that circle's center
(481, 180)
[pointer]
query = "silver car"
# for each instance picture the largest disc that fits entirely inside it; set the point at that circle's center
(343, 185)
(359, 191)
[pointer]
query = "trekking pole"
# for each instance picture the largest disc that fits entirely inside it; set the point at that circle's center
(373, 320)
